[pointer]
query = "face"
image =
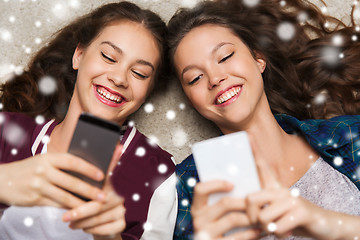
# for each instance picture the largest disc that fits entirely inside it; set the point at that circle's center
(115, 72)
(220, 76)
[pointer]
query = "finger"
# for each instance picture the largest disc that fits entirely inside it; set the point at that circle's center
(75, 185)
(256, 201)
(92, 208)
(116, 157)
(73, 163)
(230, 221)
(202, 191)
(50, 193)
(277, 209)
(108, 228)
(250, 233)
(111, 215)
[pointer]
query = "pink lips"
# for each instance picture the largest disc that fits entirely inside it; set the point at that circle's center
(109, 97)
(228, 96)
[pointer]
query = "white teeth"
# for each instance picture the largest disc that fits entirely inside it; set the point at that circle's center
(108, 96)
(229, 94)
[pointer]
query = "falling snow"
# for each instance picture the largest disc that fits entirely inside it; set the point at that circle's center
(28, 221)
(271, 227)
(191, 182)
(140, 152)
(14, 134)
(251, 3)
(147, 226)
(185, 202)
(135, 197)
(39, 119)
(295, 192)
(162, 168)
(338, 161)
(171, 114)
(180, 137)
(47, 85)
(149, 108)
(320, 98)
(285, 31)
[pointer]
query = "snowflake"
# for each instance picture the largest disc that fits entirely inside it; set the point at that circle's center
(171, 114)
(191, 182)
(337, 40)
(185, 202)
(147, 226)
(28, 221)
(285, 31)
(338, 161)
(149, 108)
(39, 119)
(162, 168)
(47, 85)
(180, 138)
(251, 3)
(140, 152)
(271, 227)
(330, 55)
(135, 197)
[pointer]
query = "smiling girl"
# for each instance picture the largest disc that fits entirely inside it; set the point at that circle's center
(105, 63)
(238, 67)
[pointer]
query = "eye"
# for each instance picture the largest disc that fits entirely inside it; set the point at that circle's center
(227, 57)
(195, 79)
(107, 57)
(139, 75)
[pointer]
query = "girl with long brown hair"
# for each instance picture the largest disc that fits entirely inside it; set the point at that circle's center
(268, 68)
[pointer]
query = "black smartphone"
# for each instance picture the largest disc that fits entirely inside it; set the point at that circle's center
(94, 140)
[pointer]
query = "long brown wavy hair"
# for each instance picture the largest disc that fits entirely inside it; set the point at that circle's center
(314, 74)
(21, 94)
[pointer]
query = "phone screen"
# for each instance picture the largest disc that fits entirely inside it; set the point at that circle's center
(94, 140)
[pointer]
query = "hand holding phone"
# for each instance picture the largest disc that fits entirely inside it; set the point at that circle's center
(228, 157)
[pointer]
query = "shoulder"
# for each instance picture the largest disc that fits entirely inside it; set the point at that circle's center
(19, 132)
(337, 140)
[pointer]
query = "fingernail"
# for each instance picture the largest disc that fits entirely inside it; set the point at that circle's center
(99, 175)
(100, 196)
(66, 217)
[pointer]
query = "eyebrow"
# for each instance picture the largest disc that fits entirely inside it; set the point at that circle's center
(217, 47)
(139, 61)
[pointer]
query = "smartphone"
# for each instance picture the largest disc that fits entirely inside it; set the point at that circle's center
(94, 140)
(228, 157)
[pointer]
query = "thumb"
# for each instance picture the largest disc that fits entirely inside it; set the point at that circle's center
(116, 157)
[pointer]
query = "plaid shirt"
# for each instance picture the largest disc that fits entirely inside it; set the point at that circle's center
(333, 138)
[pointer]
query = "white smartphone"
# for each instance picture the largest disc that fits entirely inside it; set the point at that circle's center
(228, 157)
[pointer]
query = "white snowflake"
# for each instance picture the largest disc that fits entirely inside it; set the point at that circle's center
(147, 226)
(251, 3)
(162, 168)
(12, 19)
(179, 138)
(285, 31)
(185, 202)
(337, 40)
(5, 35)
(14, 134)
(191, 182)
(320, 98)
(39, 119)
(135, 197)
(283, 3)
(149, 108)
(28, 221)
(338, 161)
(271, 227)
(38, 23)
(14, 151)
(140, 152)
(47, 85)
(295, 192)
(171, 114)
(182, 106)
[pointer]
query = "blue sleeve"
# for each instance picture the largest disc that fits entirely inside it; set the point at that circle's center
(187, 177)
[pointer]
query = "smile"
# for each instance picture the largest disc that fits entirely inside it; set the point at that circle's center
(108, 97)
(230, 94)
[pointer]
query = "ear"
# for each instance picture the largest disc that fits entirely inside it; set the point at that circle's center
(77, 57)
(260, 61)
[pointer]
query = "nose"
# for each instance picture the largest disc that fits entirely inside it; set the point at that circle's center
(119, 77)
(216, 77)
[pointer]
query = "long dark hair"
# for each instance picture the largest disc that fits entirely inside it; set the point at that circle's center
(307, 75)
(21, 94)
